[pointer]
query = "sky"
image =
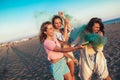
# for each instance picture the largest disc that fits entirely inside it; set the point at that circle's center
(22, 18)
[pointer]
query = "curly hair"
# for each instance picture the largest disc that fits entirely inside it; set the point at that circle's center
(92, 22)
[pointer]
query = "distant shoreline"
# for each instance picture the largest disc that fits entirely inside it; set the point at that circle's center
(107, 22)
(112, 21)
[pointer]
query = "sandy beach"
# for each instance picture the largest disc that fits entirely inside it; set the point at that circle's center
(28, 60)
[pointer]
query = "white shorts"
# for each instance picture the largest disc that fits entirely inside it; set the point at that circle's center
(71, 54)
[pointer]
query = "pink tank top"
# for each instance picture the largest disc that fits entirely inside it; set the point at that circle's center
(49, 46)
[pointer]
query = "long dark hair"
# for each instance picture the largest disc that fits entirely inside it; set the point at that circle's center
(92, 22)
(53, 20)
(42, 35)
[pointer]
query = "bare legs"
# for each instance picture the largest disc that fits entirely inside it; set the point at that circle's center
(71, 67)
(67, 76)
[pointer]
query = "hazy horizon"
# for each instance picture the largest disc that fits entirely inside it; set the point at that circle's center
(19, 18)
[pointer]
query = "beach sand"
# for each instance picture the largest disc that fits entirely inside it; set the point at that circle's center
(28, 60)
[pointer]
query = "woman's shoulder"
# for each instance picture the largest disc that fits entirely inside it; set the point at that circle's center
(58, 33)
(47, 42)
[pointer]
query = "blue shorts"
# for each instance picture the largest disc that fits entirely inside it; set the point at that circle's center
(59, 69)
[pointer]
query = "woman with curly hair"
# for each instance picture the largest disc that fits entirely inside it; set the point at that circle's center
(92, 59)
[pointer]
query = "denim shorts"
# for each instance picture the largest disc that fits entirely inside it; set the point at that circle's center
(59, 69)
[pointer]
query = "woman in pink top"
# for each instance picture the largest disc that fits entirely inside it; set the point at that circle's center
(55, 53)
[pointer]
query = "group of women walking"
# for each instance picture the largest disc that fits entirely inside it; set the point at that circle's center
(55, 34)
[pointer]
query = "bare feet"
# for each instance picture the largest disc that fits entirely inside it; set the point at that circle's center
(108, 78)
